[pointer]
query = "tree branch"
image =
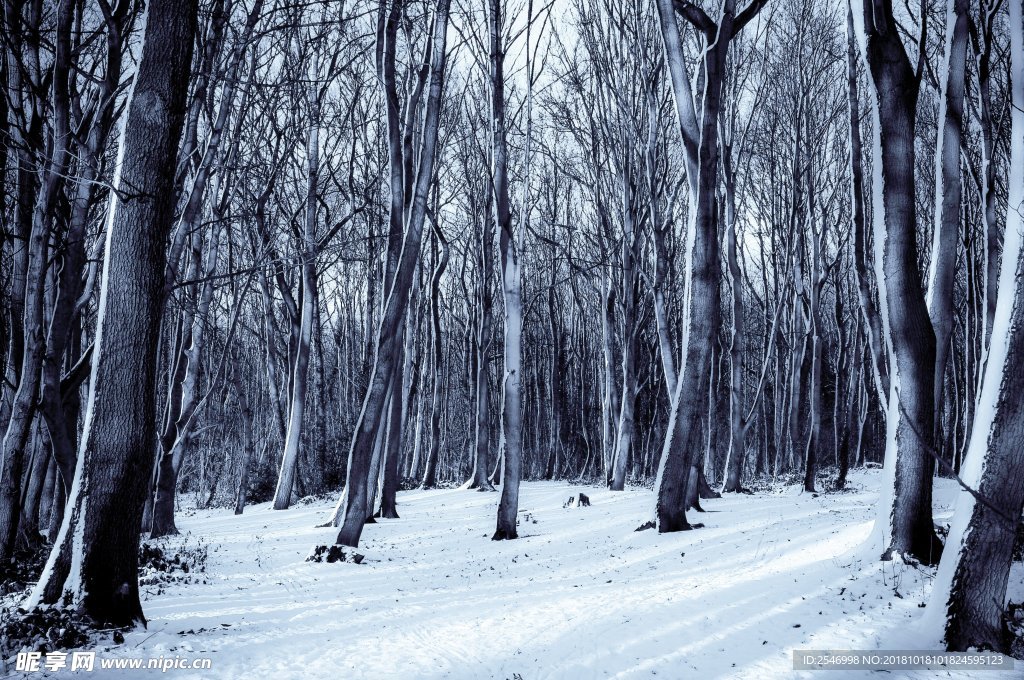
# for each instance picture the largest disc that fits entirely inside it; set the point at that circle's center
(748, 13)
(697, 17)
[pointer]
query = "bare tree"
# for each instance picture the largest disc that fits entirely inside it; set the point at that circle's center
(905, 506)
(94, 562)
(701, 265)
(970, 587)
(406, 234)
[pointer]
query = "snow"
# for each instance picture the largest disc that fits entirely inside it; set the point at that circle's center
(579, 595)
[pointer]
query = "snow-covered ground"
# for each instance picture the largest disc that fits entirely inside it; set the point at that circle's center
(579, 595)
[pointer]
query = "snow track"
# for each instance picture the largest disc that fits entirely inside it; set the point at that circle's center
(579, 595)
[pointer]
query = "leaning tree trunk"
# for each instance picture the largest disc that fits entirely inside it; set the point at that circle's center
(969, 593)
(905, 505)
(370, 417)
(300, 374)
(945, 240)
(94, 563)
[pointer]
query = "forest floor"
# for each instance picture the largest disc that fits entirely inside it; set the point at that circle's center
(579, 595)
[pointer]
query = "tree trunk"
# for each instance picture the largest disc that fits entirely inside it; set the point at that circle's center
(946, 234)
(392, 448)
(246, 416)
(627, 308)
(701, 262)
(94, 562)
(437, 354)
(610, 393)
(15, 440)
(300, 374)
(738, 428)
(873, 329)
(905, 505)
(361, 451)
(969, 594)
(511, 283)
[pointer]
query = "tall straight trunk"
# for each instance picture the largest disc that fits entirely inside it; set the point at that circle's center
(862, 418)
(417, 439)
(94, 562)
(873, 328)
(969, 594)
(186, 393)
(397, 298)
(815, 444)
(556, 382)
(627, 308)
(946, 233)
(795, 430)
(817, 275)
(245, 414)
(850, 403)
(989, 9)
(905, 505)
(484, 339)
(437, 354)
(300, 369)
(737, 426)
(511, 284)
(610, 391)
(392, 447)
(270, 356)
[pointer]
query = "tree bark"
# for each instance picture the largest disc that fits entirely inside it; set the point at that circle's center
(94, 562)
(873, 329)
(484, 340)
(969, 593)
(627, 309)
(701, 264)
(300, 374)
(437, 354)
(24, 404)
(945, 240)
(511, 282)
(361, 451)
(905, 506)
